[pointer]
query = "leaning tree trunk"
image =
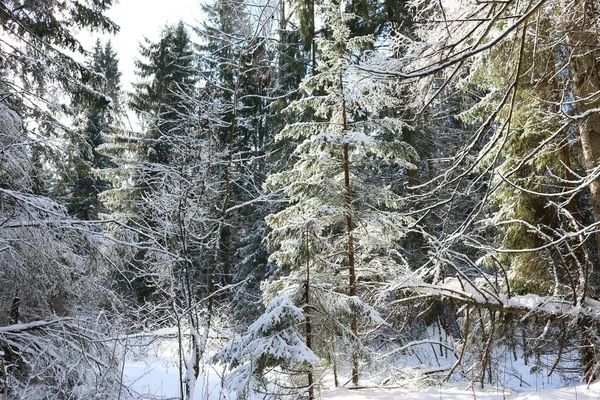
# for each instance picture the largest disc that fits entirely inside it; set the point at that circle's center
(583, 41)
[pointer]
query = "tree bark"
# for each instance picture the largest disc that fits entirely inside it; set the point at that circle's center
(350, 233)
(351, 265)
(583, 40)
(14, 310)
(225, 229)
(3, 379)
(309, 375)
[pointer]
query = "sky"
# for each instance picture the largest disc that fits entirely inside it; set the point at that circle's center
(139, 18)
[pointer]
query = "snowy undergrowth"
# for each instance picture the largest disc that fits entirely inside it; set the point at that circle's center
(151, 371)
(151, 368)
(462, 392)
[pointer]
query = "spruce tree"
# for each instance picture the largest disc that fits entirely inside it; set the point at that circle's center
(42, 78)
(335, 204)
(167, 82)
(84, 183)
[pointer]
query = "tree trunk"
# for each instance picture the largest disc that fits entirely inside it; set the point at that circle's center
(309, 375)
(351, 270)
(3, 379)
(225, 229)
(14, 309)
(583, 40)
(349, 232)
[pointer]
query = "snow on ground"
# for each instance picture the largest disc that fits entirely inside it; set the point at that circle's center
(151, 371)
(460, 392)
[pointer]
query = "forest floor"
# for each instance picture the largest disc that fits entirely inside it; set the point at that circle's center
(459, 392)
(151, 373)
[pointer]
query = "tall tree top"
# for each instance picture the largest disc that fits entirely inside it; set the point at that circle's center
(105, 62)
(168, 68)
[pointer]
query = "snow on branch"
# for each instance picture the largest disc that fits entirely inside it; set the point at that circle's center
(273, 339)
(457, 58)
(58, 358)
(550, 307)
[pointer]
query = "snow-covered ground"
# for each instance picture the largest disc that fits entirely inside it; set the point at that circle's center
(459, 392)
(151, 371)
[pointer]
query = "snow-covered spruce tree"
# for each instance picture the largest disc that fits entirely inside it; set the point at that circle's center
(166, 71)
(275, 340)
(82, 183)
(41, 78)
(273, 85)
(338, 209)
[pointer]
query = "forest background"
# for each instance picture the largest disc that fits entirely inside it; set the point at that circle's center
(308, 186)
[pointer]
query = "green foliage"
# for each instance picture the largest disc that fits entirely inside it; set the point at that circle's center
(84, 185)
(314, 180)
(533, 163)
(311, 232)
(163, 96)
(39, 76)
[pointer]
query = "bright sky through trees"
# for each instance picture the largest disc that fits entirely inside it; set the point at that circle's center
(139, 18)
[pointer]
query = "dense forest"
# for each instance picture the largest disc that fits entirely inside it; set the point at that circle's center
(301, 189)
